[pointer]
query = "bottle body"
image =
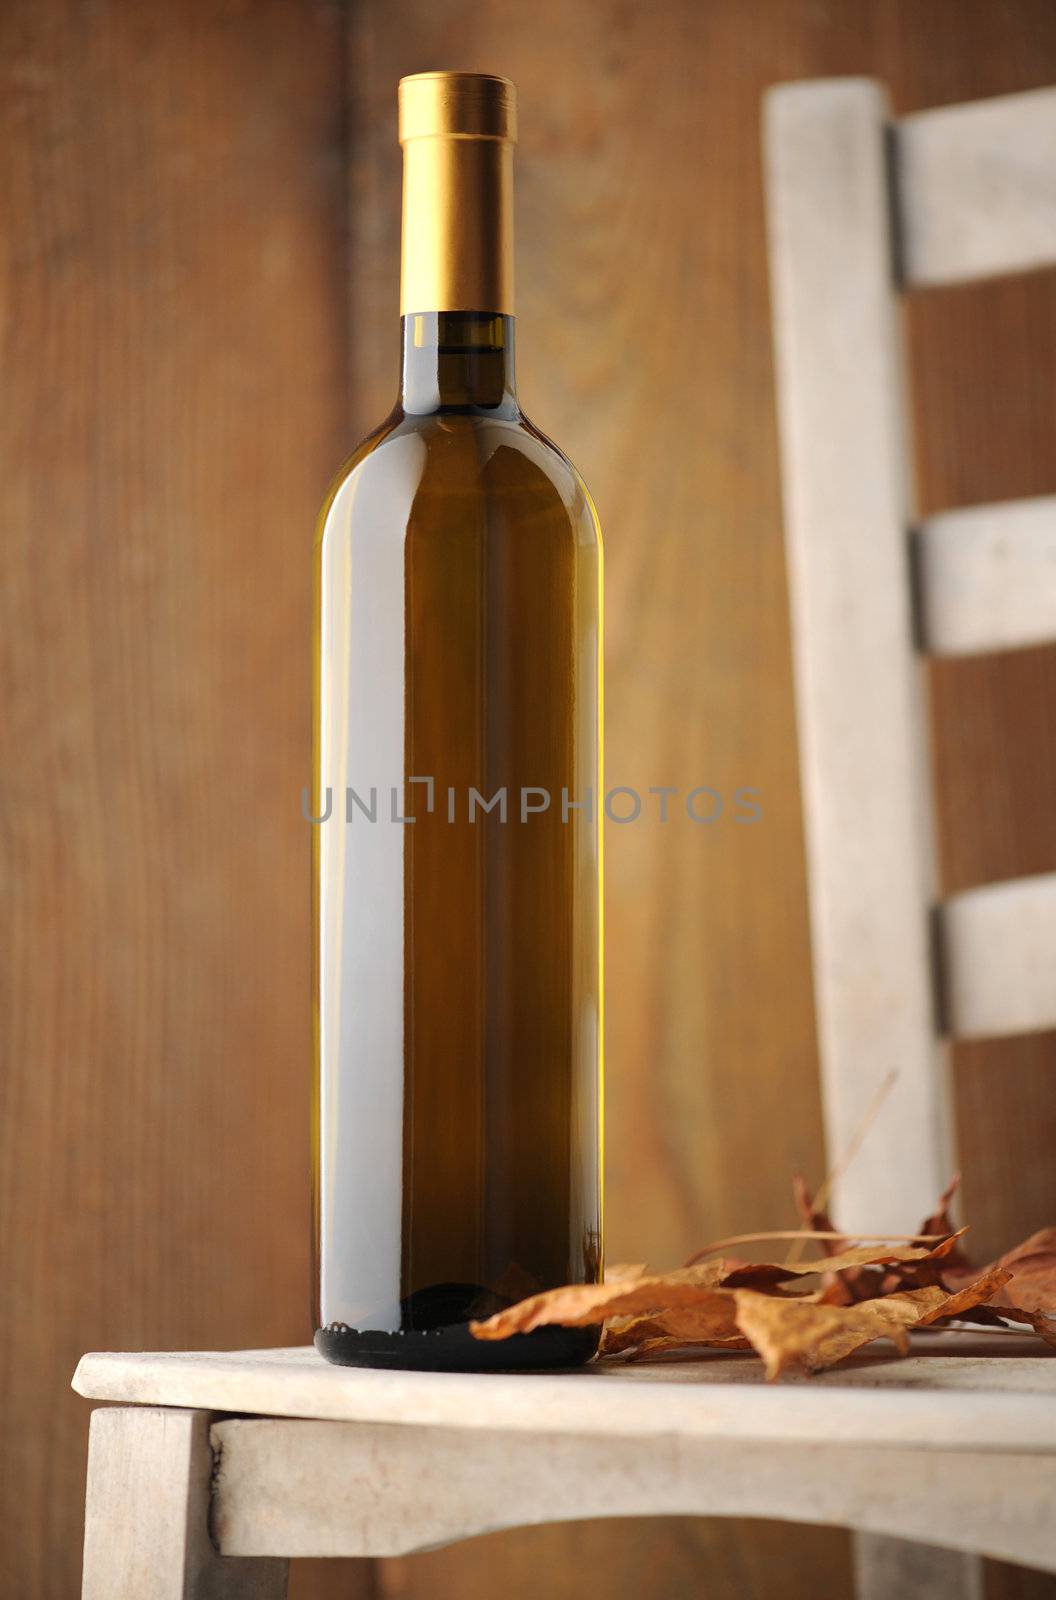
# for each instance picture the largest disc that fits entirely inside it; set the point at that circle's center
(457, 882)
(457, 783)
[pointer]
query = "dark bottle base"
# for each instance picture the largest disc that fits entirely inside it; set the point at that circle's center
(454, 1349)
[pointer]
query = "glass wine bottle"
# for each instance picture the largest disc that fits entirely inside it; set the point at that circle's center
(456, 810)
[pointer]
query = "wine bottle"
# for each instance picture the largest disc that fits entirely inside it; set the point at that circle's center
(456, 810)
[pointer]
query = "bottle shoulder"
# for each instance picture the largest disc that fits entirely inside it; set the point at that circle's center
(351, 466)
(561, 465)
(413, 469)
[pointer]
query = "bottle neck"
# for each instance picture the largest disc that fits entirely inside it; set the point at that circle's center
(458, 361)
(457, 246)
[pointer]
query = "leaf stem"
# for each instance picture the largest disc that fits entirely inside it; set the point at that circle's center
(872, 1110)
(814, 1233)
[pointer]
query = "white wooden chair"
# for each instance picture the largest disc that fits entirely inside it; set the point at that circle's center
(212, 1469)
(861, 207)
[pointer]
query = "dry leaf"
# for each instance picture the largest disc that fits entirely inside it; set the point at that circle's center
(709, 1323)
(752, 1274)
(819, 1220)
(869, 1291)
(1033, 1273)
(968, 1298)
(1044, 1325)
(940, 1266)
(669, 1346)
(624, 1272)
(811, 1335)
(581, 1305)
(852, 1286)
(940, 1220)
(790, 1333)
(1032, 1265)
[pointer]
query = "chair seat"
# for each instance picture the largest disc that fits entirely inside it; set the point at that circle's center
(958, 1448)
(874, 1399)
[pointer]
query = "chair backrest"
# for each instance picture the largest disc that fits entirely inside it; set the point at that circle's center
(861, 207)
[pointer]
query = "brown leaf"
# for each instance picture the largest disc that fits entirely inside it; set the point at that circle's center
(789, 1333)
(1041, 1243)
(835, 1292)
(818, 1219)
(624, 1272)
(752, 1275)
(869, 1291)
(710, 1323)
(1033, 1268)
(940, 1220)
(666, 1347)
(984, 1316)
(813, 1336)
(661, 1347)
(942, 1265)
(1006, 1316)
(1044, 1325)
(972, 1295)
(852, 1285)
(581, 1305)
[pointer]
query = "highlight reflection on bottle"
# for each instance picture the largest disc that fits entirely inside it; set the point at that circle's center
(458, 947)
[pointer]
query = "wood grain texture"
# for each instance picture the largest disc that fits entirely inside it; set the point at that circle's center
(174, 358)
(175, 354)
(335, 1489)
(645, 350)
(147, 1517)
(979, 1393)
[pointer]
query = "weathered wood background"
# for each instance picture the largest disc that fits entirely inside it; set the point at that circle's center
(198, 253)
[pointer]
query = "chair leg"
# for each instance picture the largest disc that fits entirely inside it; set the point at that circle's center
(896, 1569)
(146, 1529)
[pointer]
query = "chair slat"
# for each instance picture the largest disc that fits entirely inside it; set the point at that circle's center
(996, 954)
(340, 1489)
(859, 687)
(987, 577)
(976, 188)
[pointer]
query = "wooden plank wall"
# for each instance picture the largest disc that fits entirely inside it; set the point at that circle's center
(174, 356)
(184, 315)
